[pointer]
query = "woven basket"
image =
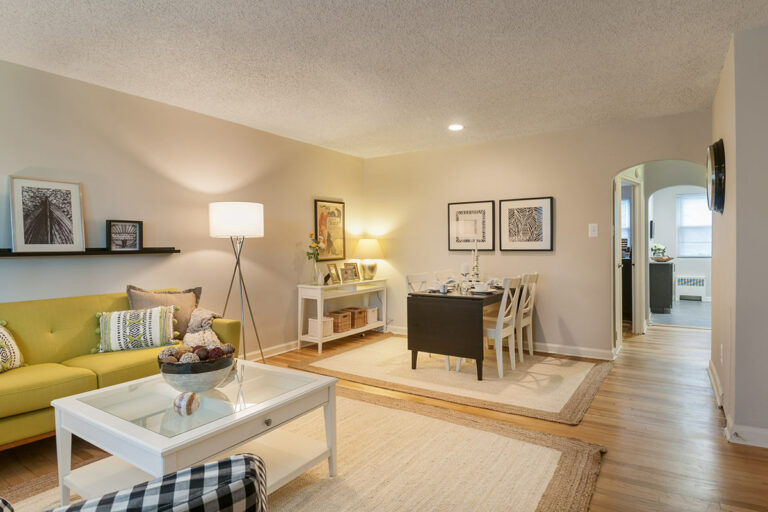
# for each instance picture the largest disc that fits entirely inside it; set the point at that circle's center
(359, 317)
(342, 320)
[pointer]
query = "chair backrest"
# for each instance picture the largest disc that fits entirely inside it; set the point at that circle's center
(445, 274)
(529, 295)
(509, 301)
(417, 282)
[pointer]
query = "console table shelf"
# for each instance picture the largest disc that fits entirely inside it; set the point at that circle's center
(7, 253)
(363, 289)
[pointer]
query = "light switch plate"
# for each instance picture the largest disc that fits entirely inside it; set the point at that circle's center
(593, 231)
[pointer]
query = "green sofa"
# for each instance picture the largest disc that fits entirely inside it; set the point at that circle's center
(56, 337)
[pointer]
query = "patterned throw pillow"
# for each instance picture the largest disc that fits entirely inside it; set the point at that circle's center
(139, 328)
(10, 355)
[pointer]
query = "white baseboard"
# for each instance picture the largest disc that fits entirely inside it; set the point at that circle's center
(398, 329)
(570, 350)
(714, 379)
(254, 355)
(743, 434)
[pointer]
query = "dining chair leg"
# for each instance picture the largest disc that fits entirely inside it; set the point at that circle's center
(511, 343)
(520, 342)
(499, 348)
(458, 363)
(447, 363)
(530, 338)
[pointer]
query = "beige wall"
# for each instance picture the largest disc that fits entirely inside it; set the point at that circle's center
(738, 263)
(138, 159)
(407, 196)
(751, 377)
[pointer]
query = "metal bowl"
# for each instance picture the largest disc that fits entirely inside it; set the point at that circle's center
(196, 377)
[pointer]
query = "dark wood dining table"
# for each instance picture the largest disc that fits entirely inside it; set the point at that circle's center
(450, 324)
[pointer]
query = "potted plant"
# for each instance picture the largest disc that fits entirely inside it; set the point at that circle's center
(659, 252)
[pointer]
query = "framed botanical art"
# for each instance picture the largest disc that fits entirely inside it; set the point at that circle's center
(125, 235)
(46, 215)
(333, 271)
(526, 224)
(470, 223)
(329, 226)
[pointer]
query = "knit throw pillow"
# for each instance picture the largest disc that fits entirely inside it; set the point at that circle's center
(137, 328)
(10, 355)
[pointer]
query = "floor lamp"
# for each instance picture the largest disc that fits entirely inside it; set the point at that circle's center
(238, 221)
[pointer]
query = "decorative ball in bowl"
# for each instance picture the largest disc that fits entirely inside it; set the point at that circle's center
(195, 369)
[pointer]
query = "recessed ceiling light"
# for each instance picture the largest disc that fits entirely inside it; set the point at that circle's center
(455, 127)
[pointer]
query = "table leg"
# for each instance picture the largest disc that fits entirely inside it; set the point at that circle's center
(301, 321)
(414, 355)
(63, 456)
(320, 313)
(479, 363)
(330, 429)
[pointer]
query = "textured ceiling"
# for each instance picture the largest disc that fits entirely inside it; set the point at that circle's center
(375, 77)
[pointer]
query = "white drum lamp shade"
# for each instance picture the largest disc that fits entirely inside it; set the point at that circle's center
(236, 219)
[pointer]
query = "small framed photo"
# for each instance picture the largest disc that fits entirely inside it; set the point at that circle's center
(46, 215)
(347, 274)
(471, 224)
(333, 271)
(354, 268)
(125, 235)
(526, 224)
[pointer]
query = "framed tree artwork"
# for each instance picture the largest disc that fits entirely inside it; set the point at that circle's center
(330, 230)
(46, 215)
(526, 224)
(470, 223)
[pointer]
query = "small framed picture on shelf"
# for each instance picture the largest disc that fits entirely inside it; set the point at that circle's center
(347, 274)
(125, 235)
(354, 269)
(333, 271)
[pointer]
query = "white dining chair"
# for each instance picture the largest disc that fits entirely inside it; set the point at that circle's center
(525, 313)
(503, 326)
(445, 274)
(420, 283)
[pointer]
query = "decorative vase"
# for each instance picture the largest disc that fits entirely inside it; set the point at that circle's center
(317, 276)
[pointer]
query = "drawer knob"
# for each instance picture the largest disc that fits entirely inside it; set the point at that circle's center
(268, 422)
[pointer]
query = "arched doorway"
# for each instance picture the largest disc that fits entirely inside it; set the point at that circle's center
(631, 255)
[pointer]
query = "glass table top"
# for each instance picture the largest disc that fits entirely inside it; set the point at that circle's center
(149, 404)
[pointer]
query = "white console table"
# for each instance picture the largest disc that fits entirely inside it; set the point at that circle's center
(320, 294)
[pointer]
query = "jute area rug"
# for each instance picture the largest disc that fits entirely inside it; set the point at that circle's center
(548, 387)
(396, 455)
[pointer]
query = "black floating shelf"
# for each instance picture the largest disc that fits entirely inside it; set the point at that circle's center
(94, 251)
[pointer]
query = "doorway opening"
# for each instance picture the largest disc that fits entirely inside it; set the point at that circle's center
(681, 229)
(668, 193)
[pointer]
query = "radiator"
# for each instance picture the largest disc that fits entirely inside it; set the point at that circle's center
(691, 287)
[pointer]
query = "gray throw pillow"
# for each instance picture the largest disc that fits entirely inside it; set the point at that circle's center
(186, 301)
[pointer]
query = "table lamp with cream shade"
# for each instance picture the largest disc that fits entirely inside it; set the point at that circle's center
(468, 229)
(238, 221)
(368, 250)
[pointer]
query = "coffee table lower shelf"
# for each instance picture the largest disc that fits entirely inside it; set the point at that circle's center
(286, 455)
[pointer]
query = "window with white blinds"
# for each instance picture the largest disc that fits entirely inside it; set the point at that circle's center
(694, 226)
(626, 221)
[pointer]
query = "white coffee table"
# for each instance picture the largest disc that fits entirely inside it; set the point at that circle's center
(136, 423)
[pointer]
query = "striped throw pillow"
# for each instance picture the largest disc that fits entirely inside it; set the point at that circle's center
(10, 355)
(134, 329)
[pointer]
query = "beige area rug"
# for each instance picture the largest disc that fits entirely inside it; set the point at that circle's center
(548, 387)
(396, 455)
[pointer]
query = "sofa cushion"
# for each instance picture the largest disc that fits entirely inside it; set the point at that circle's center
(30, 388)
(10, 355)
(136, 329)
(186, 302)
(115, 367)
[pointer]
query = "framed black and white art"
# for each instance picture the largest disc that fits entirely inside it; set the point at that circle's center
(125, 235)
(46, 215)
(526, 224)
(470, 223)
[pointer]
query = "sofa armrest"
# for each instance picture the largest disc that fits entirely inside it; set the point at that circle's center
(228, 331)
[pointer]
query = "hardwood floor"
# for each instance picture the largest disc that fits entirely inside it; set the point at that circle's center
(655, 413)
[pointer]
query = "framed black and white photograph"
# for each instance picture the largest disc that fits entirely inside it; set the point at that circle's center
(46, 215)
(526, 224)
(125, 235)
(471, 223)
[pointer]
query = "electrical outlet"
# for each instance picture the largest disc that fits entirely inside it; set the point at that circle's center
(593, 231)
